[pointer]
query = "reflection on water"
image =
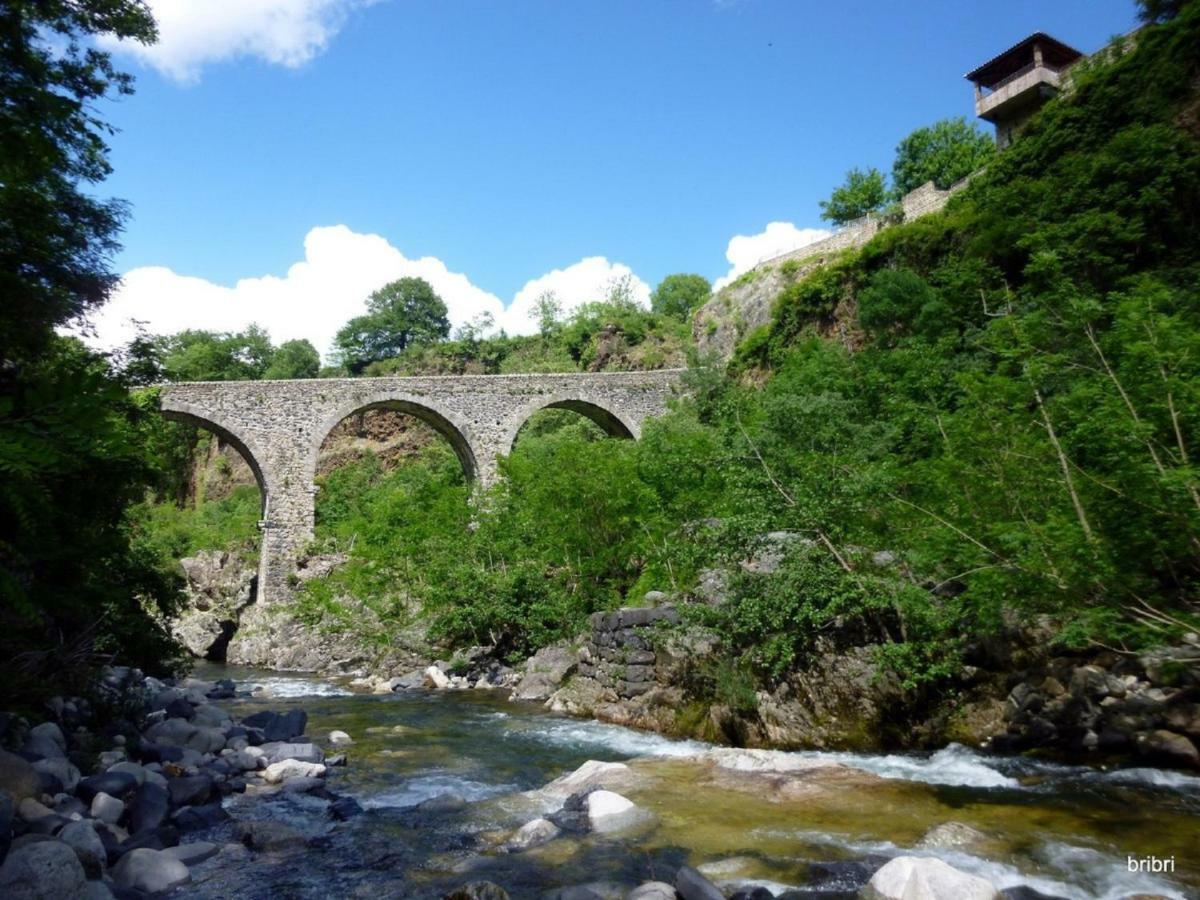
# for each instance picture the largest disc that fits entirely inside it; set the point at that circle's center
(1063, 830)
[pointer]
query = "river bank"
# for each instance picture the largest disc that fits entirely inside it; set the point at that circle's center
(447, 779)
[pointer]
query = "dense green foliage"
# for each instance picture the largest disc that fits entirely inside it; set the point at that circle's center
(55, 236)
(1022, 419)
(861, 193)
(249, 355)
(680, 295)
(406, 312)
(72, 587)
(943, 153)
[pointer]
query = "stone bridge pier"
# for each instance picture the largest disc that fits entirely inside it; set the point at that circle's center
(279, 426)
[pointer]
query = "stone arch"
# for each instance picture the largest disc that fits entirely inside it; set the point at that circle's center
(189, 415)
(447, 424)
(612, 421)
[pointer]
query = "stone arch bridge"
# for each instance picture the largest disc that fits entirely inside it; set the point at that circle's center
(279, 426)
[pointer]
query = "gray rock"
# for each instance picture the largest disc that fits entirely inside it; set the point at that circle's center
(278, 751)
(653, 890)
(152, 871)
(1168, 748)
(952, 835)
(532, 834)
(61, 768)
(107, 809)
(268, 836)
(18, 778)
(42, 747)
(277, 726)
(45, 870)
(96, 890)
(925, 878)
(545, 671)
(691, 885)
(82, 838)
(52, 731)
(190, 790)
(148, 808)
(115, 784)
(130, 768)
(477, 890)
(194, 853)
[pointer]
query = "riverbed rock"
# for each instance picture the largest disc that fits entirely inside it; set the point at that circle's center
(531, 834)
(18, 778)
(1168, 748)
(277, 726)
(50, 731)
(190, 790)
(924, 878)
(608, 811)
(265, 835)
(277, 752)
(149, 807)
(653, 890)
(592, 774)
(436, 678)
(31, 810)
(340, 739)
(545, 671)
(45, 870)
(61, 769)
(106, 808)
(194, 853)
(292, 768)
(83, 839)
(691, 885)
(151, 871)
(952, 836)
(477, 890)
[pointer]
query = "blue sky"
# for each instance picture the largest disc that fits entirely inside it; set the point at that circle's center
(504, 142)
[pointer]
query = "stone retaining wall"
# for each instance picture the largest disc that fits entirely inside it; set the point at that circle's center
(620, 652)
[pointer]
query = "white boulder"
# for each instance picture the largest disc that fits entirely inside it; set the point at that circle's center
(924, 878)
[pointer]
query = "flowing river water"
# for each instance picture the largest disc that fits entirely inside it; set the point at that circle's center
(1065, 831)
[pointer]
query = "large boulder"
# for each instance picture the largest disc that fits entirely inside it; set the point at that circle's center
(82, 838)
(1168, 748)
(149, 807)
(278, 726)
(46, 870)
(18, 778)
(151, 871)
(545, 671)
(923, 878)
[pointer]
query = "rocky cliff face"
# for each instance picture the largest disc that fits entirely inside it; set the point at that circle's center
(219, 586)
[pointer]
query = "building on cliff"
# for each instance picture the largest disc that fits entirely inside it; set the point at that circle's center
(1011, 87)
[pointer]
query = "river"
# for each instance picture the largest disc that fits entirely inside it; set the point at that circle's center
(1065, 831)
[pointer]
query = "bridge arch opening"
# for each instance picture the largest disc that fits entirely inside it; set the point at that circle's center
(223, 465)
(589, 421)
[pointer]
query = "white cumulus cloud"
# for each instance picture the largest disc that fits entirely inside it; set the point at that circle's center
(328, 287)
(745, 251)
(193, 33)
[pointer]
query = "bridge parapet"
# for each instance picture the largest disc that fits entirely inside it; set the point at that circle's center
(279, 427)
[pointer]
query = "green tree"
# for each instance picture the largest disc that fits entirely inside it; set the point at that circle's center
(195, 355)
(407, 312)
(294, 359)
(942, 153)
(56, 238)
(680, 295)
(861, 193)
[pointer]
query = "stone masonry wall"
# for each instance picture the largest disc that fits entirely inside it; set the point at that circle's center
(619, 653)
(279, 426)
